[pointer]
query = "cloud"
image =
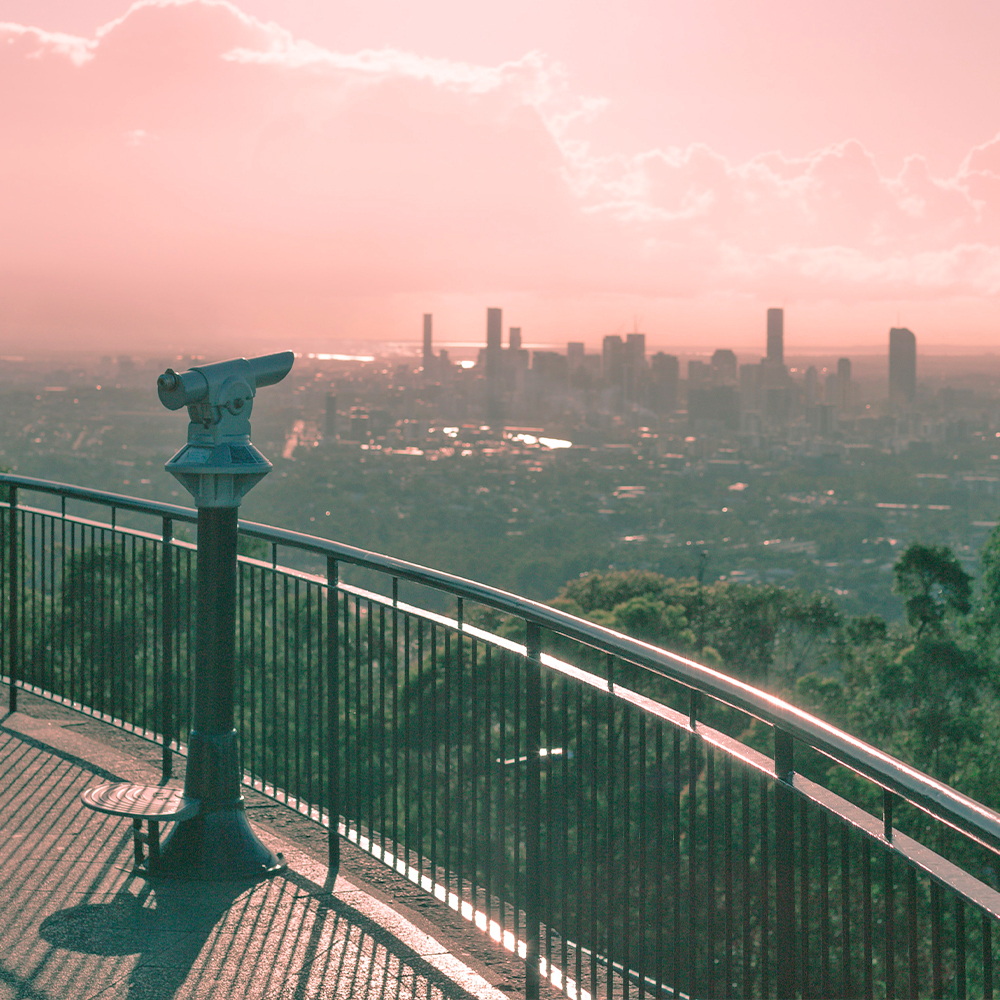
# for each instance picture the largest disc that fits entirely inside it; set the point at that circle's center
(192, 161)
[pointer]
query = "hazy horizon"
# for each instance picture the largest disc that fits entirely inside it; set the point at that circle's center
(248, 177)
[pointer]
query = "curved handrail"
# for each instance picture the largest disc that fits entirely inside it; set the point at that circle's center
(934, 797)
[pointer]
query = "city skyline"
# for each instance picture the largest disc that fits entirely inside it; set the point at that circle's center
(177, 172)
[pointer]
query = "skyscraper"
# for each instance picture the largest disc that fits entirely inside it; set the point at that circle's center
(724, 367)
(902, 366)
(612, 358)
(843, 399)
(494, 360)
(428, 349)
(515, 338)
(776, 336)
(665, 372)
(494, 337)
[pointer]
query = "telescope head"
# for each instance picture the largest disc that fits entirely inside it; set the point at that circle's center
(227, 384)
(219, 465)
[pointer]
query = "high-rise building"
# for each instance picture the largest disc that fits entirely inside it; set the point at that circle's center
(635, 351)
(515, 338)
(902, 366)
(494, 335)
(843, 399)
(699, 374)
(664, 370)
(494, 357)
(574, 355)
(612, 358)
(428, 348)
(724, 367)
(776, 336)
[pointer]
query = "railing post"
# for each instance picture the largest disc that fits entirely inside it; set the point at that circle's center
(532, 810)
(13, 636)
(167, 626)
(333, 713)
(784, 863)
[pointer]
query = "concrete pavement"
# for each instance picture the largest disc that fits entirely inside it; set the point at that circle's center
(75, 922)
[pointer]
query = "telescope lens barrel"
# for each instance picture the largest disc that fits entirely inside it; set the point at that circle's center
(204, 383)
(270, 369)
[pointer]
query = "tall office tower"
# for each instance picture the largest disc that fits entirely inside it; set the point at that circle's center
(514, 342)
(635, 351)
(776, 336)
(428, 349)
(843, 399)
(574, 355)
(612, 358)
(494, 356)
(812, 385)
(699, 374)
(665, 372)
(494, 329)
(724, 367)
(902, 366)
(832, 395)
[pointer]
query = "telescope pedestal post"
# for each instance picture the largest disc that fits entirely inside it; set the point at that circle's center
(218, 843)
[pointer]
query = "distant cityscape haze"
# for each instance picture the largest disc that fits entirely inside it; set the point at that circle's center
(203, 176)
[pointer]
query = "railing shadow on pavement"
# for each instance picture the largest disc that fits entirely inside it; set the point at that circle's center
(78, 921)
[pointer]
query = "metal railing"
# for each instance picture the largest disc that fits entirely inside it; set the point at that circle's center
(622, 817)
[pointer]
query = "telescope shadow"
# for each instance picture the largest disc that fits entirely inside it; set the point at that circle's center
(285, 937)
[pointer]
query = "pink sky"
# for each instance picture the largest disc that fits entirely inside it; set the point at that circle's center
(201, 174)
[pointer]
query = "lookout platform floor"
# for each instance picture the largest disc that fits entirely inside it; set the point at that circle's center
(75, 921)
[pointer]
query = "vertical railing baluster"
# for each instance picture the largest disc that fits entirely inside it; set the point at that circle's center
(987, 936)
(13, 599)
(713, 982)
(459, 810)
(826, 984)
(959, 948)
(579, 867)
(784, 862)
(167, 625)
(805, 878)
(407, 743)
(845, 910)
(643, 881)
(434, 740)
(765, 888)
(446, 812)
(745, 875)
(333, 716)
(548, 897)
(692, 847)
(937, 971)
(394, 781)
(911, 931)
(889, 898)
(626, 838)
(383, 789)
(676, 858)
(609, 840)
(727, 778)
(421, 730)
(866, 900)
(532, 833)
(370, 720)
(503, 891)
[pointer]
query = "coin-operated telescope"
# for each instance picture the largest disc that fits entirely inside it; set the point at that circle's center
(218, 466)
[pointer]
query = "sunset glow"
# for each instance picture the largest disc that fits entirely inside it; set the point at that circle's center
(194, 169)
